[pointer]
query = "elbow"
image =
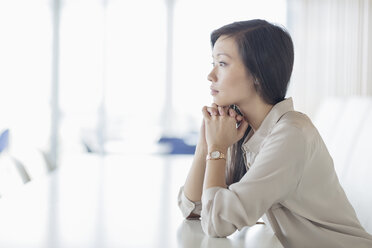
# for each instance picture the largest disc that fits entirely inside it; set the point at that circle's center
(217, 230)
(213, 223)
(210, 231)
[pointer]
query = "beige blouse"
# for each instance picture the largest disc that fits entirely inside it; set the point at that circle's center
(291, 183)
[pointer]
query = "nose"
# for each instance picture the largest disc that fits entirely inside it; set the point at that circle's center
(212, 76)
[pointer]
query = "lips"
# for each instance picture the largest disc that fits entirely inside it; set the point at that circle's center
(213, 91)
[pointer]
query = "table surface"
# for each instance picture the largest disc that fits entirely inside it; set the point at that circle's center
(111, 201)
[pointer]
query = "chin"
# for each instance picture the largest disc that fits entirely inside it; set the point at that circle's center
(221, 102)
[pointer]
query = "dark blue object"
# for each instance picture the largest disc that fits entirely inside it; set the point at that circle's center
(177, 145)
(4, 140)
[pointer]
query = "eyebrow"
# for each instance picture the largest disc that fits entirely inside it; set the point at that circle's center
(219, 54)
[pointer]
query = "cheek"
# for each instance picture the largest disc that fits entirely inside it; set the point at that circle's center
(230, 95)
(234, 88)
(242, 91)
(240, 86)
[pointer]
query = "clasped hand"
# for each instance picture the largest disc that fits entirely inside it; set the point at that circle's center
(221, 129)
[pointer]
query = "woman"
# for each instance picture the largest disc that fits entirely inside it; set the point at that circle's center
(262, 158)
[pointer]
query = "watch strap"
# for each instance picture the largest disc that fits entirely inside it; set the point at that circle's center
(221, 156)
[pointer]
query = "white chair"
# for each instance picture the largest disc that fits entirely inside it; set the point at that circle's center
(346, 127)
(327, 117)
(357, 178)
(339, 122)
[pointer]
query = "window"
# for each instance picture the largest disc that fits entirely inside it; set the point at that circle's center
(25, 78)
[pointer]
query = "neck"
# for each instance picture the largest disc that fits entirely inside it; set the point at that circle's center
(255, 112)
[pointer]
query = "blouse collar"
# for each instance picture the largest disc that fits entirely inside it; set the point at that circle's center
(253, 143)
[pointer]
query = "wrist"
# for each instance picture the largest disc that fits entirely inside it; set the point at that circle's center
(212, 148)
(201, 149)
(200, 154)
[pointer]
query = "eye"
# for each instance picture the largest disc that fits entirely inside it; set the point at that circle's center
(222, 63)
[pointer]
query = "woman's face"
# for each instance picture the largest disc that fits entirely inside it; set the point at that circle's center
(231, 82)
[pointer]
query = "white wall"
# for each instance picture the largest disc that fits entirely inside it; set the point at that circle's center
(333, 50)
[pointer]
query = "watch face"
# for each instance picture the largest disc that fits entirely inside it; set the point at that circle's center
(215, 154)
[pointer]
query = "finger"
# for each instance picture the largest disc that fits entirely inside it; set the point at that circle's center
(222, 111)
(226, 110)
(212, 111)
(242, 128)
(232, 113)
(206, 114)
(239, 117)
(215, 106)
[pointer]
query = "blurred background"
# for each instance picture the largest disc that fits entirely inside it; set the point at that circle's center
(130, 77)
(111, 91)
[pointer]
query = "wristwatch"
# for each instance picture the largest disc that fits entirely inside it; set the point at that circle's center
(215, 155)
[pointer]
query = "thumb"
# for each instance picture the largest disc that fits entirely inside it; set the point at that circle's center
(242, 128)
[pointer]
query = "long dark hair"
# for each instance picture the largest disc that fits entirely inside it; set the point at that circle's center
(267, 53)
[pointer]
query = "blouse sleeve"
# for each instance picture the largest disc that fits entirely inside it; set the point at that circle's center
(273, 176)
(188, 207)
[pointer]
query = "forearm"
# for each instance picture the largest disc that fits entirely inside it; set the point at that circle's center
(215, 173)
(193, 187)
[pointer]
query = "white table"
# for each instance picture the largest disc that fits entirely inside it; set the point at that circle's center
(115, 201)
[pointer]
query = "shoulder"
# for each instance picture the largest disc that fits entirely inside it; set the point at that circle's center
(297, 122)
(297, 128)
